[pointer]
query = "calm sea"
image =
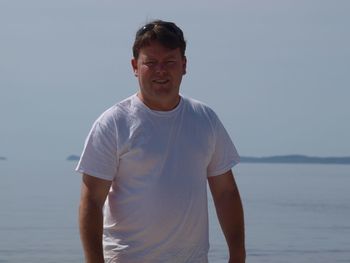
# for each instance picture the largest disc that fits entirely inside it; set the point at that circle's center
(293, 213)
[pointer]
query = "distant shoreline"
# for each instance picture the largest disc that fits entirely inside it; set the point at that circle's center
(291, 159)
(296, 159)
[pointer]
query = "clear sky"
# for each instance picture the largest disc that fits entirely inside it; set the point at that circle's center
(276, 72)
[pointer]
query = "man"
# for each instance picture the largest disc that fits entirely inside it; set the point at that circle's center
(146, 164)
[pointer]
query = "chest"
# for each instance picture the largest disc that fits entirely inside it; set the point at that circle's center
(180, 139)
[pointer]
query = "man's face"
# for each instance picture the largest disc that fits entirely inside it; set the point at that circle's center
(159, 71)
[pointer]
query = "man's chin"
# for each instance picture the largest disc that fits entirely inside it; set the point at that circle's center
(163, 90)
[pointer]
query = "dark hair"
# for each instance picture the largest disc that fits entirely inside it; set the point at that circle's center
(167, 34)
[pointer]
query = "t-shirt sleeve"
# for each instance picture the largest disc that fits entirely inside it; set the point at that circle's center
(99, 157)
(225, 155)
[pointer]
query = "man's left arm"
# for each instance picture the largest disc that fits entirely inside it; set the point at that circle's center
(229, 210)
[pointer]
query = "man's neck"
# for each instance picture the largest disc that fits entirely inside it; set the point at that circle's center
(163, 105)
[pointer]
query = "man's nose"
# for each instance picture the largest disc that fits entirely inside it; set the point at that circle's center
(160, 68)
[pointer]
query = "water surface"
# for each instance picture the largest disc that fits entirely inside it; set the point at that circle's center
(293, 213)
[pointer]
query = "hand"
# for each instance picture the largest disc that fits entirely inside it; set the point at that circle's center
(238, 257)
(236, 260)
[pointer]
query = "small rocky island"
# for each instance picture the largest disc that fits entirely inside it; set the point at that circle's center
(73, 158)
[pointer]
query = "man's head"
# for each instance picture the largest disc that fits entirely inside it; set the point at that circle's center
(159, 63)
(168, 34)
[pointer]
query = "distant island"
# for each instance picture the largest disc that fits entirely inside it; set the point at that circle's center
(292, 159)
(3, 158)
(296, 159)
(73, 157)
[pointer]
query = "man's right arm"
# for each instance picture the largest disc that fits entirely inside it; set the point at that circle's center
(93, 195)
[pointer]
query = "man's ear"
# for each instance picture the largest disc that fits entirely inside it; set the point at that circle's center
(134, 66)
(184, 65)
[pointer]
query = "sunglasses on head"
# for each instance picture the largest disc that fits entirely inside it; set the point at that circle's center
(168, 25)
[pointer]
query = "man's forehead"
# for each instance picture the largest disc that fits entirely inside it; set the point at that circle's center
(156, 50)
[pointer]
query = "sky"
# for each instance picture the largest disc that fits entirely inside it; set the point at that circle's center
(275, 71)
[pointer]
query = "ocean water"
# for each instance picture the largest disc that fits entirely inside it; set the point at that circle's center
(293, 213)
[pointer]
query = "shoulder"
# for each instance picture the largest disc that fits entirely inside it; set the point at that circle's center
(199, 108)
(117, 113)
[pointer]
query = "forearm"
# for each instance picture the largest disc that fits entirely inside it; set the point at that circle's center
(230, 214)
(91, 229)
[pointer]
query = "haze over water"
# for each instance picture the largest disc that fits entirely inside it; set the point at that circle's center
(276, 72)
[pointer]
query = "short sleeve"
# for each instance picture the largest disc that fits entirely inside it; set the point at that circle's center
(225, 155)
(99, 157)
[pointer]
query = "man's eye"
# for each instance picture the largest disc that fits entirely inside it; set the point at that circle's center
(171, 62)
(150, 63)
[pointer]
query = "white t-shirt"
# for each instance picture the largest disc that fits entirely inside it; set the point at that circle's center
(158, 162)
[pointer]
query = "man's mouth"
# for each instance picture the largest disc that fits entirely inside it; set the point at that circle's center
(160, 81)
